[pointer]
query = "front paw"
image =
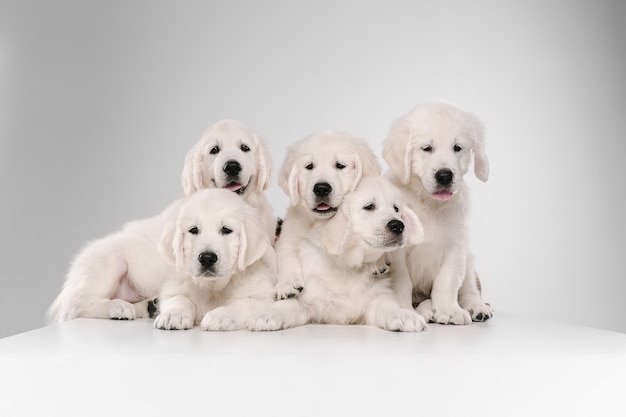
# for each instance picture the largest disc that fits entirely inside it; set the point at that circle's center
(268, 320)
(178, 319)
(381, 266)
(403, 320)
(449, 314)
(220, 319)
(380, 269)
(479, 311)
(289, 289)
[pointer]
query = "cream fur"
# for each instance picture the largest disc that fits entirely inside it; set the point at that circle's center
(432, 137)
(236, 292)
(227, 140)
(324, 153)
(334, 257)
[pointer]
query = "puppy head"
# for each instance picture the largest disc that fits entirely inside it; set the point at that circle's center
(319, 169)
(376, 215)
(434, 142)
(228, 156)
(214, 235)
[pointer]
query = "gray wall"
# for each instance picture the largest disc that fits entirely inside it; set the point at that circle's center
(99, 102)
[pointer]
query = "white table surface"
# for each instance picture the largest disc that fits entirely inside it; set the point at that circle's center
(508, 366)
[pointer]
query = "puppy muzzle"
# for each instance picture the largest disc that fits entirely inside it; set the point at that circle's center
(207, 264)
(323, 193)
(445, 185)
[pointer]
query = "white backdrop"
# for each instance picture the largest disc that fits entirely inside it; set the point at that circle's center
(99, 102)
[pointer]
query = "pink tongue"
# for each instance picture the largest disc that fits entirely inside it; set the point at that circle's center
(233, 186)
(443, 195)
(323, 207)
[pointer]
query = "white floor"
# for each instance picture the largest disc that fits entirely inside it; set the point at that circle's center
(509, 366)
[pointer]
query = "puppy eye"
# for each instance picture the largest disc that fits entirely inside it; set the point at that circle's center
(369, 207)
(427, 148)
(395, 208)
(215, 150)
(310, 166)
(245, 148)
(457, 148)
(340, 165)
(226, 230)
(194, 230)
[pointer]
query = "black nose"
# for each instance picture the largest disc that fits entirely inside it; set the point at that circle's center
(322, 189)
(396, 227)
(232, 168)
(444, 176)
(207, 259)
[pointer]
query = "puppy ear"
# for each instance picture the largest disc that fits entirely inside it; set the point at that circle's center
(413, 227)
(191, 177)
(253, 241)
(334, 233)
(288, 177)
(291, 186)
(264, 161)
(398, 150)
(365, 163)
(477, 137)
(171, 244)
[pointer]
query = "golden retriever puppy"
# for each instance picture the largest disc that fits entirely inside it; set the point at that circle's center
(429, 150)
(225, 267)
(230, 156)
(114, 277)
(334, 257)
(316, 174)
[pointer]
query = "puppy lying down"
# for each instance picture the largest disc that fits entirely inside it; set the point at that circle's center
(336, 260)
(224, 267)
(204, 251)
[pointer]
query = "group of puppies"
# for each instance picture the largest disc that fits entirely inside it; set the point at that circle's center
(354, 247)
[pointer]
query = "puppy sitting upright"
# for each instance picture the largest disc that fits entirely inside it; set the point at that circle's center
(316, 174)
(429, 150)
(340, 288)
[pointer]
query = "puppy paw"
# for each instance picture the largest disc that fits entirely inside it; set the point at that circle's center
(120, 310)
(220, 319)
(153, 308)
(380, 269)
(266, 321)
(453, 316)
(381, 266)
(404, 320)
(426, 310)
(146, 308)
(443, 315)
(479, 311)
(178, 319)
(289, 290)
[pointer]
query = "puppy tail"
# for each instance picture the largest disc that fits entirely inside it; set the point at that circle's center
(53, 315)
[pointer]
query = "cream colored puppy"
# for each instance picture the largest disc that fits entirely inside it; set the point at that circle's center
(316, 174)
(228, 155)
(429, 150)
(334, 256)
(224, 267)
(116, 277)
